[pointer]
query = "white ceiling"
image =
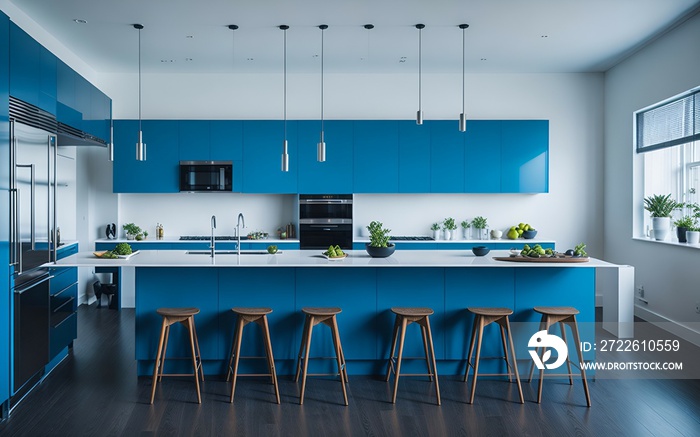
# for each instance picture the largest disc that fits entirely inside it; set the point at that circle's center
(187, 36)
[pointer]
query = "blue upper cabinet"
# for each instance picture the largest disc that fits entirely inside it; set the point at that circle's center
(226, 144)
(335, 175)
(262, 157)
(414, 157)
(482, 156)
(376, 156)
(100, 114)
(525, 156)
(32, 71)
(446, 156)
(65, 96)
(159, 172)
(195, 140)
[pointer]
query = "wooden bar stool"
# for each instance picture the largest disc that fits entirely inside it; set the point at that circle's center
(563, 316)
(404, 317)
(483, 317)
(185, 316)
(245, 316)
(314, 316)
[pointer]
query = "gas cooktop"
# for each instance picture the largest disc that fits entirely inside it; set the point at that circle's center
(205, 238)
(403, 238)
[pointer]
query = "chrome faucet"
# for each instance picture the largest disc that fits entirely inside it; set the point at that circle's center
(212, 246)
(238, 231)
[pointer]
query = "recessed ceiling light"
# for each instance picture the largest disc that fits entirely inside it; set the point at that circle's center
(166, 61)
(188, 59)
(250, 59)
(190, 36)
(544, 36)
(80, 21)
(483, 59)
(402, 59)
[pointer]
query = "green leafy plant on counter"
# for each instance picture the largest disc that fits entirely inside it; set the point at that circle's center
(435, 227)
(122, 249)
(692, 217)
(659, 205)
(378, 235)
(479, 222)
(579, 250)
(132, 229)
(449, 224)
(465, 224)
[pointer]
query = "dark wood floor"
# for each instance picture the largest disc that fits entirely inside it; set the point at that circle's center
(95, 392)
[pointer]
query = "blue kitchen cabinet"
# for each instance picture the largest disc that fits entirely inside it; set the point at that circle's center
(5, 294)
(446, 156)
(376, 156)
(195, 140)
(83, 101)
(525, 156)
(414, 157)
(65, 96)
(100, 114)
(482, 157)
(262, 157)
(159, 172)
(226, 144)
(335, 175)
(47, 80)
(32, 71)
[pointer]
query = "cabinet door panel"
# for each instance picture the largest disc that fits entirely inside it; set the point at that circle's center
(446, 157)
(226, 144)
(414, 157)
(262, 157)
(25, 66)
(335, 174)
(376, 153)
(195, 140)
(482, 157)
(525, 156)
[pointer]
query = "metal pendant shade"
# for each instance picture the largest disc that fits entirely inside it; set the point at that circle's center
(419, 113)
(285, 145)
(321, 146)
(140, 145)
(462, 115)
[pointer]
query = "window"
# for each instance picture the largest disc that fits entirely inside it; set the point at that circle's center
(668, 136)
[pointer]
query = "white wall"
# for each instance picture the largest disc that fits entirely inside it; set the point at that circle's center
(669, 274)
(573, 103)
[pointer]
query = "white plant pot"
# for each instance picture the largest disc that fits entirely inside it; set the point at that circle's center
(455, 236)
(465, 233)
(693, 237)
(661, 226)
(436, 235)
(448, 234)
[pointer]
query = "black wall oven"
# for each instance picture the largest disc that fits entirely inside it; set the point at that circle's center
(324, 220)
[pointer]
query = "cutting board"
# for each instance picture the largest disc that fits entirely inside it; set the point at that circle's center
(523, 259)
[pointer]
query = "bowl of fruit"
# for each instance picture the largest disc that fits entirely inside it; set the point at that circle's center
(334, 253)
(529, 234)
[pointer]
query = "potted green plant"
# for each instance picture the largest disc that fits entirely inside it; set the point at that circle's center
(465, 229)
(479, 224)
(449, 226)
(687, 222)
(379, 246)
(131, 231)
(660, 207)
(435, 227)
(692, 235)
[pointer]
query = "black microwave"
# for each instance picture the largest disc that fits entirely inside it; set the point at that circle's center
(206, 176)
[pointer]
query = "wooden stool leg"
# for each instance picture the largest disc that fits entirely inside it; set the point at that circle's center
(165, 349)
(338, 356)
(306, 357)
(537, 351)
(237, 345)
(270, 357)
(199, 354)
(398, 360)
(194, 359)
(427, 353)
(233, 353)
(471, 347)
(568, 361)
(301, 347)
(156, 365)
(394, 338)
(432, 354)
(342, 357)
(505, 351)
(541, 381)
(577, 340)
(478, 354)
(515, 361)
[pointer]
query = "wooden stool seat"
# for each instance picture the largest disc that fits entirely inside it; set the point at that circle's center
(404, 317)
(257, 315)
(184, 316)
(314, 316)
(563, 316)
(483, 317)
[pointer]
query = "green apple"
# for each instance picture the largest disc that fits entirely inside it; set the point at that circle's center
(512, 234)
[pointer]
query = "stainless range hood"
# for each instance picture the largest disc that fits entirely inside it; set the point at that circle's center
(70, 136)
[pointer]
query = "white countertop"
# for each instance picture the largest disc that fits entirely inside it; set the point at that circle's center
(171, 240)
(310, 258)
(490, 240)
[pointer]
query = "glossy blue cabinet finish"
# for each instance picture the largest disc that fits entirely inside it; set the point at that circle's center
(262, 157)
(414, 157)
(32, 71)
(226, 144)
(159, 172)
(482, 157)
(335, 175)
(195, 140)
(525, 156)
(446, 156)
(376, 153)
(65, 96)
(5, 290)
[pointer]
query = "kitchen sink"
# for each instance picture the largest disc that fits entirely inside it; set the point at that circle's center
(229, 252)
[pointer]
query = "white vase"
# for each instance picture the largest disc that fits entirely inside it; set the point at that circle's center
(693, 237)
(436, 235)
(465, 233)
(448, 234)
(496, 234)
(661, 227)
(454, 234)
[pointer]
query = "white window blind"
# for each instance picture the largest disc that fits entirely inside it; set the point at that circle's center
(670, 123)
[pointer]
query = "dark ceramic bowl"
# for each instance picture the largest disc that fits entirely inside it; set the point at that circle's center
(480, 250)
(528, 235)
(380, 252)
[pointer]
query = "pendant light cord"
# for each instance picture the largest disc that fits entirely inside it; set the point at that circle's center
(463, 49)
(285, 84)
(139, 80)
(420, 68)
(322, 32)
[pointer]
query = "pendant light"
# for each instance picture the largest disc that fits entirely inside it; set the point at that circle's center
(462, 116)
(419, 114)
(285, 150)
(110, 146)
(321, 146)
(140, 145)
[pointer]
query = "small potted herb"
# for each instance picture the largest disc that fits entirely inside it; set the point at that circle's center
(660, 207)
(479, 223)
(379, 246)
(688, 222)
(436, 231)
(449, 226)
(131, 230)
(465, 229)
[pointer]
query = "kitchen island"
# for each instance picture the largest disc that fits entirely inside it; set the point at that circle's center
(365, 288)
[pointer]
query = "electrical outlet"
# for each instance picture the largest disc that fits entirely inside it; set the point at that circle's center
(697, 307)
(640, 290)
